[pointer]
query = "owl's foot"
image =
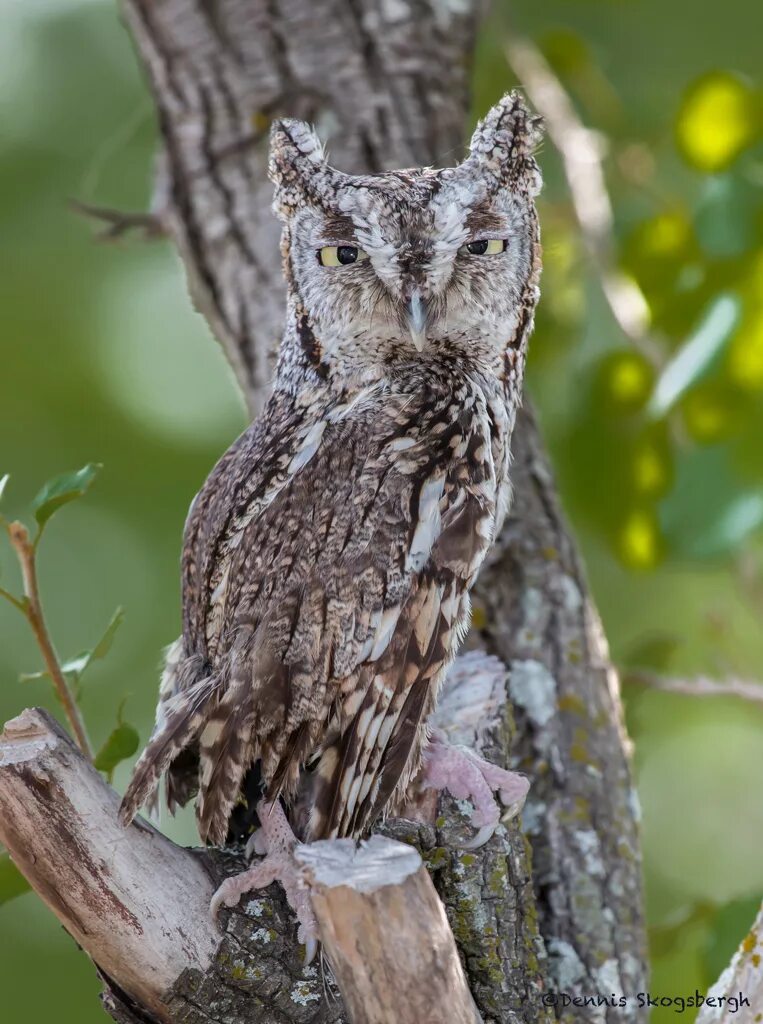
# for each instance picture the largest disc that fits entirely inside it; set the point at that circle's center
(467, 776)
(277, 841)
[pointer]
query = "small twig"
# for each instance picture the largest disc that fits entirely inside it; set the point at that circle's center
(32, 609)
(13, 600)
(699, 686)
(581, 153)
(119, 222)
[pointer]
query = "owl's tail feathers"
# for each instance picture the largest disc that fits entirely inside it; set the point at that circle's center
(358, 773)
(181, 722)
(225, 754)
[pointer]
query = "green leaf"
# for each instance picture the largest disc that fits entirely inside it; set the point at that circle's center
(12, 882)
(121, 744)
(63, 489)
(745, 359)
(709, 511)
(566, 52)
(665, 937)
(75, 667)
(696, 356)
(103, 646)
(624, 380)
(31, 677)
(725, 221)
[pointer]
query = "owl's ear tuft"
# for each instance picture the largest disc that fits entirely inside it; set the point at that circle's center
(297, 165)
(503, 144)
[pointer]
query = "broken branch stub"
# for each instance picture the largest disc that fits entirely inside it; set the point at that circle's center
(385, 933)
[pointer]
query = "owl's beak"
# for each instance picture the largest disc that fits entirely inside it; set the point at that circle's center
(416, 313)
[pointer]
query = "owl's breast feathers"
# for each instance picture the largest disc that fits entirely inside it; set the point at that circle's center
(327, 566)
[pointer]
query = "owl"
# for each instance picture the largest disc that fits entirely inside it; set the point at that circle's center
(328, 559)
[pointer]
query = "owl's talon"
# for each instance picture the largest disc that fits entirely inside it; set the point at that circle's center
(484, 835)
(216, 904)
(277, 841)
(512, 809)
(466, 776)
(256, 844)
(311, 948)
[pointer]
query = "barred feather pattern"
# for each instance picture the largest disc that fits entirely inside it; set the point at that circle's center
(328, 558)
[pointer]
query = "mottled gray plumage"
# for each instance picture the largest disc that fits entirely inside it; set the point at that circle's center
(328, 558)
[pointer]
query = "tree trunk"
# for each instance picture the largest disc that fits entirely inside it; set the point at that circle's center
(386, 84)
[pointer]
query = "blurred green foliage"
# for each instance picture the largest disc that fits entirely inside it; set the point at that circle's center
(660, 462)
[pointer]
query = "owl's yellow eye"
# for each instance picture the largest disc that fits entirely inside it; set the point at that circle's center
(340, 255)
(485, 247)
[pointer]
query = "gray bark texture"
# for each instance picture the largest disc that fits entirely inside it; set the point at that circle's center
(387, 83)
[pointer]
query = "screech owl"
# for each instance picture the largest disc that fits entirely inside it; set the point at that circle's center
(328, 558)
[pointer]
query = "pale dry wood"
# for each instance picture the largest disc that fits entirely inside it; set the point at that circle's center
(135, 902)
(743, 977)
(385, 933)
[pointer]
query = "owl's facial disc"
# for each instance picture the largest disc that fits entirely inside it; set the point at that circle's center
(408, 266)
(411, 264)
(402, 264)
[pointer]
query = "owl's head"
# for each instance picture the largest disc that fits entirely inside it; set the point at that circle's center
(415, 264)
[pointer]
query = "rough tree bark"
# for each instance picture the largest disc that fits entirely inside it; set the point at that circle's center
(387, 85)
(386, 82)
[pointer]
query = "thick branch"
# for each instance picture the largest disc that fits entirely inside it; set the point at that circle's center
(135, 902)
(582, 810)
(386, 84)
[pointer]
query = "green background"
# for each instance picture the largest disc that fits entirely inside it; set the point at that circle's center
(102, 359)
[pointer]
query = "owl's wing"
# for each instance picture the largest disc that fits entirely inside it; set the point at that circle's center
(361, 768)
(364, 759)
